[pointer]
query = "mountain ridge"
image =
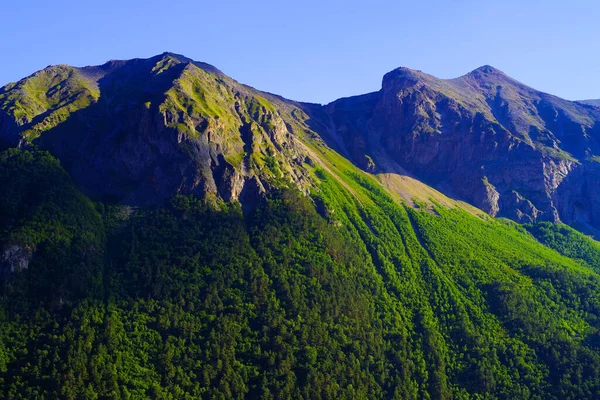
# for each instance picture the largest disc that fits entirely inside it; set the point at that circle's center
(448, 133)
(592, 102)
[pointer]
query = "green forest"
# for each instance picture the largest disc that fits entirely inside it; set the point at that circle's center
(327, 296)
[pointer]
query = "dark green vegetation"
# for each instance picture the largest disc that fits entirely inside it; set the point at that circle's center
(346, 295)
(42, 213)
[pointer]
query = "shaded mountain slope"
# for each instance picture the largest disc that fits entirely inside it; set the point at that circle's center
(155, 127)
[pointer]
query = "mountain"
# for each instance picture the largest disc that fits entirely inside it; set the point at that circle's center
(143, 130)
(484, 138)
(167, 232)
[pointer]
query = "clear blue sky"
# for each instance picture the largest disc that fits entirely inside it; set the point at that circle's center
(317, 50)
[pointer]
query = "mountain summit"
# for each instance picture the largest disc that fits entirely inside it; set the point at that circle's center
(486, 70)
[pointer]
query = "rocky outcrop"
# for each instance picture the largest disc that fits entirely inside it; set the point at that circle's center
(578, 198)
(14, 258)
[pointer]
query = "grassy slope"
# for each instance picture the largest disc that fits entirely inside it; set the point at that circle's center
(47, 98)
(485, 270)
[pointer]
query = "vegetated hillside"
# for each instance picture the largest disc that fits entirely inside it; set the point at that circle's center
(568, 242)
(349, 294)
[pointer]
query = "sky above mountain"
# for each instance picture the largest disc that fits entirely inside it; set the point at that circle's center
(313, 50)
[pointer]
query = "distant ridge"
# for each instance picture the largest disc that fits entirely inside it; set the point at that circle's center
(595, 102)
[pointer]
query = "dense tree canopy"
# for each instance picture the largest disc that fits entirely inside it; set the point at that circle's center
(317, 298)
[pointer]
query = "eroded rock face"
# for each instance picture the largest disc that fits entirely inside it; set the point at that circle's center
(578, 198)
(483, 137)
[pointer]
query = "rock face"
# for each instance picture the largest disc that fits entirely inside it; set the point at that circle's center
(484, 137)
(14, 258)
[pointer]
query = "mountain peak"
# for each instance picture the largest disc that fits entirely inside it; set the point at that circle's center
(486, 70)
(404, 76)
(179, 57)
(205, 66)
(406, 72)
(175, 58)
